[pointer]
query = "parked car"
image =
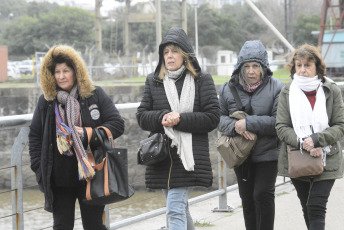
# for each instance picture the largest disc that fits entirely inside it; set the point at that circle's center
(12, 71)
(112, 69)
(25, 67)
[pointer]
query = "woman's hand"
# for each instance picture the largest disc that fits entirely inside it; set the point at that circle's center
(240, 126)
(316, 152)
(308, 144)
(170, 119)
(248, 135)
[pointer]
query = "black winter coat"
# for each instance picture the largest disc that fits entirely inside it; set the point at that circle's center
(42, 133)
(205, 117)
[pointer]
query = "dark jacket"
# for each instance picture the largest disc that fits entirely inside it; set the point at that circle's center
(330, 136)
(45, 161)
(263, 103)
(205, 117)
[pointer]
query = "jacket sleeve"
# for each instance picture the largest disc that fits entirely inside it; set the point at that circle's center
(284, 126)
(335, 111)
(227, 107)
(109, 114)
(207, 119)
(35, 139)
(264, 125)
(147, 118)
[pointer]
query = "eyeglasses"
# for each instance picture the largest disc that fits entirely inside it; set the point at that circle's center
(255, 67)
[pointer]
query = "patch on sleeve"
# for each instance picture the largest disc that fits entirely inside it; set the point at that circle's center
(95, 114)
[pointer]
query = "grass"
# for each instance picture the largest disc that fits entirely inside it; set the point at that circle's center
(202, 224)
(281, 74)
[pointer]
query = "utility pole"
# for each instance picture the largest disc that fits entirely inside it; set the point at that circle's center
(158, 24)
(126, 27)
(184, 16)
(98, 26)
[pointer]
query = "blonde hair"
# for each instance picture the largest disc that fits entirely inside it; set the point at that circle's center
(187, 62)
(310, 53)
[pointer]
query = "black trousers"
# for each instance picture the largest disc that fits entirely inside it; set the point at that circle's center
(313, 198)
(256, 183)
(64, 209)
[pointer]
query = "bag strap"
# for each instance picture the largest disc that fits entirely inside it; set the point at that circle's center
(109, 135)
(105, 144)
(236, 96)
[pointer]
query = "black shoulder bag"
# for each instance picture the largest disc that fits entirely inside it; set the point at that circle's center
(110, 183)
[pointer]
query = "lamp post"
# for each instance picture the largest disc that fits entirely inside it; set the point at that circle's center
(195, 3)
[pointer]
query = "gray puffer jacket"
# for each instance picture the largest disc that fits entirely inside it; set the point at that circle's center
(263, 103)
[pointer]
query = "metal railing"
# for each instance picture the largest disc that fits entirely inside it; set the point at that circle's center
(21, 141)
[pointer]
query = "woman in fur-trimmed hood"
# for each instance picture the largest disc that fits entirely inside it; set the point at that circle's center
(84, 83)
(61, 136)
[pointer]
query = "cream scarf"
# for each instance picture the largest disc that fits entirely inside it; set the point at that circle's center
(305, 119)
(182, 140)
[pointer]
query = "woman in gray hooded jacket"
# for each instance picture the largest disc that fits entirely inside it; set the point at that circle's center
(258, 92)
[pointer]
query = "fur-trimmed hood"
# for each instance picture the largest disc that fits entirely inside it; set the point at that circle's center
(48, 83)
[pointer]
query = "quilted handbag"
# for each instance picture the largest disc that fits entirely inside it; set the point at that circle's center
(110, 183)
(153, 149)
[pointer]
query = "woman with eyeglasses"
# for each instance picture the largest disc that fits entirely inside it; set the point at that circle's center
(258, 92)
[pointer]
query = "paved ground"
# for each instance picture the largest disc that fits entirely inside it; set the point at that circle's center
(288, 212)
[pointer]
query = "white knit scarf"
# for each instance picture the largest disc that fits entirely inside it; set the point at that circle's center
(182, 140)
(305, 119)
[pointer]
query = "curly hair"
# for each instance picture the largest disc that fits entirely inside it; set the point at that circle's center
(311, 54)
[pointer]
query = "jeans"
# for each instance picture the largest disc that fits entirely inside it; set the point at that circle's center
(313, 198)
(256, 182)
(177, 209)
(64, 209)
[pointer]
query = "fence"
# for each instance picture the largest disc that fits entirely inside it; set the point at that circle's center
(16, 191)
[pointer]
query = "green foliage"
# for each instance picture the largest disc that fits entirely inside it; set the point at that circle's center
(203, 224)
(37, 26)
(303, 27)
(65, 25)
(17, 7)
(249, 25)
(35, 9)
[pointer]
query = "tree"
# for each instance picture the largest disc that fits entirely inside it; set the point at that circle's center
(65, 25)
(17, 7)
(37, 9)
(303, 27)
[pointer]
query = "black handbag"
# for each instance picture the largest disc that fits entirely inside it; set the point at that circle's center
(153, 149)
(110, 183)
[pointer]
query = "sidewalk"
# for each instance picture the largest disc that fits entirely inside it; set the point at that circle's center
(288, 212)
